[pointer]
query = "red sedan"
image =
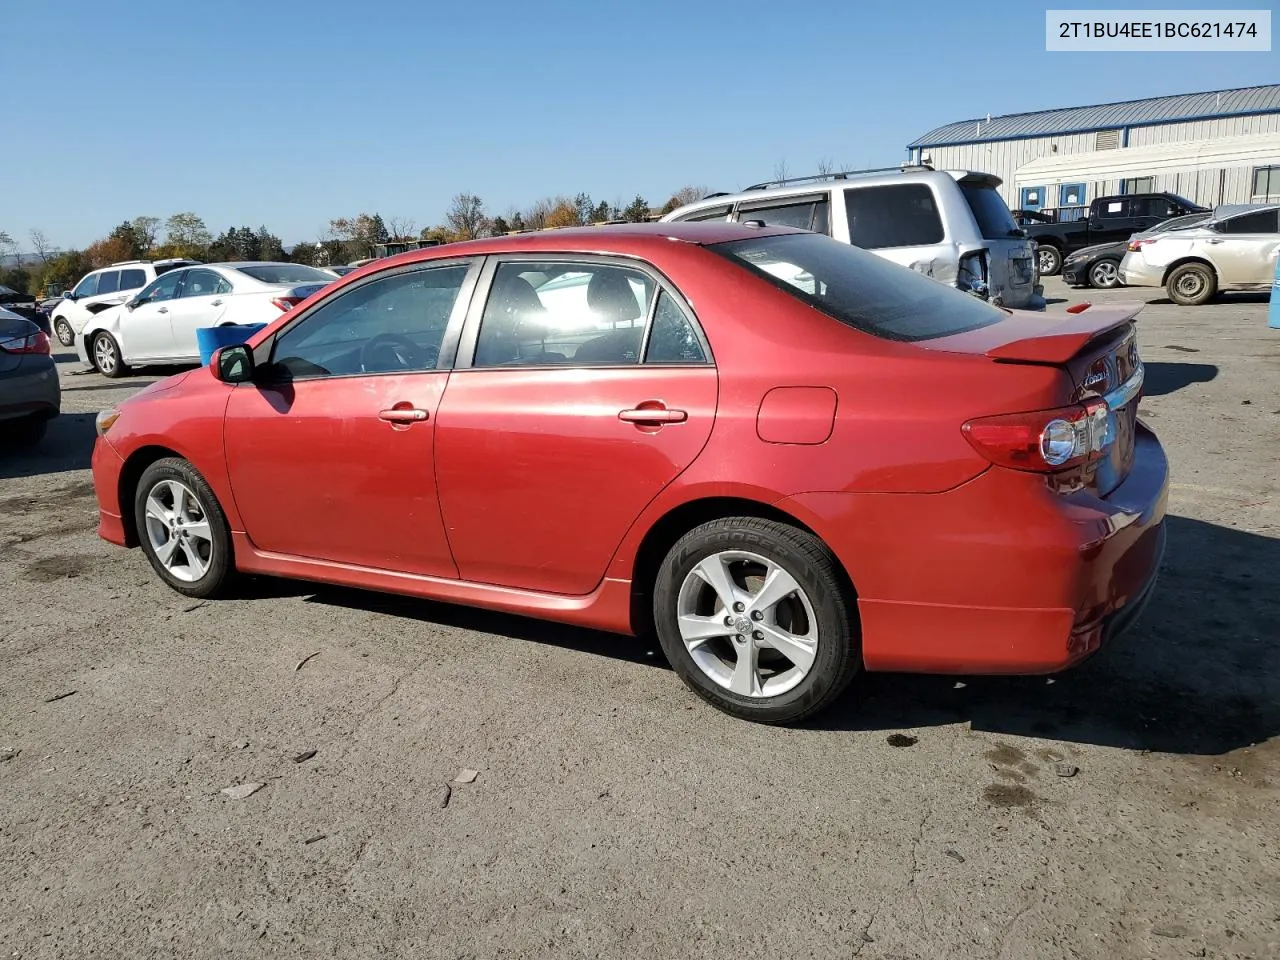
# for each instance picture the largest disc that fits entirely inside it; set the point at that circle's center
(791, 459)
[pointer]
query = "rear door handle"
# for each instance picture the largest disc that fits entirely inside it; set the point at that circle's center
(163, 310)
(403, 416)
(653, 415)
(1213, 240)
(216, 303)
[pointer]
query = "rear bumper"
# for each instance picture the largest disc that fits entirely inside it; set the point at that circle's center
(31, 389)
(1000, 575)
(1137, 273)
(107, 465)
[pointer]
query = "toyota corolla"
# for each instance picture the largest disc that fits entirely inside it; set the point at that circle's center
(788, 458)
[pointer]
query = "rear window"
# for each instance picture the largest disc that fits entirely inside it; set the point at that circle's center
(132, 279)
(860, 289)
(108, 282)
(1262, 222)
(903, 215)
(286, 273)
(990, 211)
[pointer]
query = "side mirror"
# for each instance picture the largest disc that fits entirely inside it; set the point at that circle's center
(232, 364)
(68, 295)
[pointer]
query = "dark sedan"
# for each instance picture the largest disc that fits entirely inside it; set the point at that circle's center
(29, 393)
(1095, 266)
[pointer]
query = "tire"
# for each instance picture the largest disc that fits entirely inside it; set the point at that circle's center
(174, 505)
(62, 330)
(746, 550)
(1049, 258)
(1105, 274)
(26, 432)
(1192, 284)
(105, 355)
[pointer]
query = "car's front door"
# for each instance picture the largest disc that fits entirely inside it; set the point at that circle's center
(201, 302)
(583, 388)
(145, 330)
(1243, 249)
(331, 452)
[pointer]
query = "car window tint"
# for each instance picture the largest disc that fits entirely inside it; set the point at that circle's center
(860, 289)
(393, 324)
(285, 273)
(903, 215)
(564, 313)
(1264, 221)
(132, 279)
(1115, 209)
(712, 213)
(672, 338)
(87, 287)
(204, 283)
(161, 289)
(810, 213)
(989, 210)
(109, 282)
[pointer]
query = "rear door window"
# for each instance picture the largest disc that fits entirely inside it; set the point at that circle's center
(1262, 222)
(1115, 209)
(900, 215)
(860, 289)
(109, 282)
(712, 213)
(804, 213)
(133, 279)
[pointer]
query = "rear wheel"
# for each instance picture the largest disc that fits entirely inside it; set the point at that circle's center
(1049, 259)
(106, 356)
(182, 529)
(62, 330)
(1192, 284)
(754, 617)
(1105, 274)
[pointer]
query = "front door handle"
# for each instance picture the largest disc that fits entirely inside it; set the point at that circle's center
(411, 415)
(652, 415)
(1213, 240)
(216, 303)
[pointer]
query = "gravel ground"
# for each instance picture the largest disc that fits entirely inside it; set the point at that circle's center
(1124, 810)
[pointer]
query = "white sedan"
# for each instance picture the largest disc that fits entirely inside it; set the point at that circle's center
(159, 323)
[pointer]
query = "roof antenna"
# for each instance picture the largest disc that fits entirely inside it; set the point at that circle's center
(988, 116)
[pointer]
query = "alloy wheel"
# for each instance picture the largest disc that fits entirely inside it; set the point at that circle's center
(747, 624)
(1104, 274)
(63, 331)
(104, 354)
(178, 530)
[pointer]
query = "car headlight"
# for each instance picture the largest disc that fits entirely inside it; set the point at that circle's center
(102, 423)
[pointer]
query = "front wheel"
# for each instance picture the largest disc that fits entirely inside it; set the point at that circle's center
(106, 356)
(1105, 274)
(1049, 260)
(182, 529)
(1191, 285)
(754, 616)
(62, 330)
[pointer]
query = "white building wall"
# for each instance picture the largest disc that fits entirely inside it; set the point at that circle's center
(1209, 187)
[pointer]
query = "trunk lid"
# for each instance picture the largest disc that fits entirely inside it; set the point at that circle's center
(1096, 348)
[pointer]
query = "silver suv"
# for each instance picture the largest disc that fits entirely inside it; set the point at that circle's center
(951, 225)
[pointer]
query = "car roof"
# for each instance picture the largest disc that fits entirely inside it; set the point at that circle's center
(624, 239)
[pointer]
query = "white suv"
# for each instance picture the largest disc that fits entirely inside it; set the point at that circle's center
(951, 225)
(105, 288)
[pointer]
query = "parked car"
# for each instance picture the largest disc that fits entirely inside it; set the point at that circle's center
(1099, 266)
(22, 304)
(1024, 217)
(1235, 249)
(1110, 220)
(950, 225)
(102, 289)
(159, 324)
(340, 270)
(29, 392)
(791, 458)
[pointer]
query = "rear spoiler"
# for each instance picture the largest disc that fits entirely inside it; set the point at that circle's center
(1058, 342)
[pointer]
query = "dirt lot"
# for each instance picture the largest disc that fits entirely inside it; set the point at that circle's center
(614, 815)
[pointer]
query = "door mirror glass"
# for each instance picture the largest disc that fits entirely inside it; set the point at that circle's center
(233, 364)
(68, 295)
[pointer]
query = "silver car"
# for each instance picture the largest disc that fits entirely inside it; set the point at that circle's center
(950, 225)
(1235, 249)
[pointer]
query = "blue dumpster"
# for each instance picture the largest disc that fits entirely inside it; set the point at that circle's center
(209, 339)
(1273, 317)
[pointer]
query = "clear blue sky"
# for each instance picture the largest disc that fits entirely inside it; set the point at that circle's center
(290, 112)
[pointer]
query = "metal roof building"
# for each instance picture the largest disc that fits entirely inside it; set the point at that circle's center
(1081, 142)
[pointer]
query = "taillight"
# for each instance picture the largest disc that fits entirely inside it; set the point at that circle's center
(285, 304)
(1043, 441)
(1135, 245)
(38, 342)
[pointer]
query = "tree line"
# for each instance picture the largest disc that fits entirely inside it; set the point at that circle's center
(346, 239)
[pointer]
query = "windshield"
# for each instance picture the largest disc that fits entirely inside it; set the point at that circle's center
(1189, 204)
(993, 216)
(860, 289)
(286, 273)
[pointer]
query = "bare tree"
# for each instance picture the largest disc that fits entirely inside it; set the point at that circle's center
(780, 170)
(402, 228)
(40, 244)
(466, 217)
(826, 167)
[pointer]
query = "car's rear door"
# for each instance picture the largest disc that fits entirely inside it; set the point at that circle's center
(569, 411)
(1111, 221)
